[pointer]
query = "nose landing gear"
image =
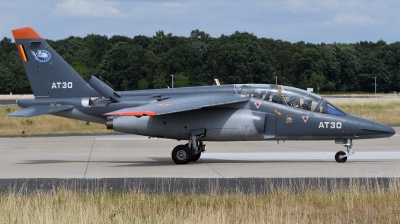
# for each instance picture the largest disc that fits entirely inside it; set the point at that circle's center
(341, 156)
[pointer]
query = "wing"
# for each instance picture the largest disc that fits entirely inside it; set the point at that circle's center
(179, 104)
(39, 110)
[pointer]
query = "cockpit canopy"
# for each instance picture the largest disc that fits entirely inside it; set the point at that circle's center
(289, 96)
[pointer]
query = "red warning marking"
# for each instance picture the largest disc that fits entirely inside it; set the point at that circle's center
(257, 104)
(305, 118)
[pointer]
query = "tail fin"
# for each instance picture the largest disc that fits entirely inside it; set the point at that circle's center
(48, 73)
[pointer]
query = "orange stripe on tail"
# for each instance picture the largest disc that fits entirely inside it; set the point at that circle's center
(22, 52)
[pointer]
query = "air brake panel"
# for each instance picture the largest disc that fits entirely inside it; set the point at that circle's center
(103, 89)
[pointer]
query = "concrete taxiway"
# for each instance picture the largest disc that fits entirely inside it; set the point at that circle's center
(130, 156)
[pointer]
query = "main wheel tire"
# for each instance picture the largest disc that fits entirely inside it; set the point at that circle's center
(181, 154)
(340, 160)
(196, 157)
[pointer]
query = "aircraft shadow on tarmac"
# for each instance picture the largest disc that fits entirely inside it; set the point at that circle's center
(41, 162)
(166, 161)
(158, 161)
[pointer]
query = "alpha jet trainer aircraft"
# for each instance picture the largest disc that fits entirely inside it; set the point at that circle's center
(195, 114)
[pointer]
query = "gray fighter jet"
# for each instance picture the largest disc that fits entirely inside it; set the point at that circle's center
(234, 112)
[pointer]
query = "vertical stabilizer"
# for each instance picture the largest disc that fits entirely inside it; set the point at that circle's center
(48, 73)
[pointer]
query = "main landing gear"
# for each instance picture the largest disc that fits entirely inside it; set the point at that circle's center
(183, 154)
(341, 156)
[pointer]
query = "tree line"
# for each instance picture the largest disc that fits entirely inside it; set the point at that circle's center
(145, 62)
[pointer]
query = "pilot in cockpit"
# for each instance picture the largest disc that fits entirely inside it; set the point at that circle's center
(293, 101)
(259, 94)
(306, 103)
(276, 98)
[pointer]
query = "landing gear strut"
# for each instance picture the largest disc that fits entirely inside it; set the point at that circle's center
(341, 156)
(183, 154)
(197, 150)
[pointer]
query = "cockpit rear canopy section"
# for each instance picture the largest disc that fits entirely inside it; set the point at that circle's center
(289, 96)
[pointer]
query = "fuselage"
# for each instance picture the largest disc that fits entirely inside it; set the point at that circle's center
(271, 113)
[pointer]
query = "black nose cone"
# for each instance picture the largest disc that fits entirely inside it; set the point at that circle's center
(382, 130)
(365, 128)
(390, 131)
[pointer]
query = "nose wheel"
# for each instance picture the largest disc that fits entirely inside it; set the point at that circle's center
(341, 156)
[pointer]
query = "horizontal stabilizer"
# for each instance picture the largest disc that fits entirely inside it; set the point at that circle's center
(39, 110)
(103, 89)
(180, 104)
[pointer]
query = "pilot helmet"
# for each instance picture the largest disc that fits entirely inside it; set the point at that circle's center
(258, 93)
(307, 100)
(307, 103)
(294, 101)
(276, 98)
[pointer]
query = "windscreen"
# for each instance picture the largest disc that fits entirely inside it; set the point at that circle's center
(289, 96)
(328, 108)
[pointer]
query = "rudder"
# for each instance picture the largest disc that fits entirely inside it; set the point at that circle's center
(48, 73)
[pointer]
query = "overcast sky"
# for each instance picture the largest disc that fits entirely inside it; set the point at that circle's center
(314, 21)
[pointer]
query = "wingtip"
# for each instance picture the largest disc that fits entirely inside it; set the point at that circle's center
(25, 33)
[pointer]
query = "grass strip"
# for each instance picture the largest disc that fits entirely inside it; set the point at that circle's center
(354, 203)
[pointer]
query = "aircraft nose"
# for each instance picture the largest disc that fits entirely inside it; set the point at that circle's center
(383, 130)
(372, 129)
